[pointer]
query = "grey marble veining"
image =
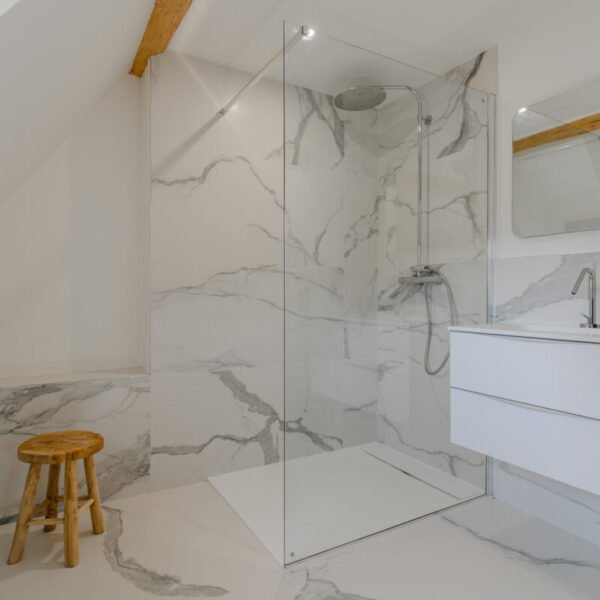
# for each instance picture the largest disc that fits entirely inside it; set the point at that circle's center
(470, 124)
(591, 504)
(25, 409)
(571, 509)
(312, 106)
(468, 204)
(193, 181)
(523, 545)
(218, 260)
(15, 400)
(266, 438)
(226, 360)
(235, 283)
(537, 290)
(520, 538)
(347, 228)
(449, 460)
(320, 107)
(482, 549)
(143, 578)
(363, 229)
(322, 589)
(546, 283)
(118, 408)
(456, 211)
(524, 554)
(415, 407)
(485, 80)
(117, 470)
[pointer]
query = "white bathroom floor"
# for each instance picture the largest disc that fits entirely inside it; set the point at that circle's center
(333, 498)
(187, 542)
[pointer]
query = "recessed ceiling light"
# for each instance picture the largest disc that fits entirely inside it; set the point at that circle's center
(522, 110)
(307, 32)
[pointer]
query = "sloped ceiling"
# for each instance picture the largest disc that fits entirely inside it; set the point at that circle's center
(434, 35)
(57, 59)
(6, 4)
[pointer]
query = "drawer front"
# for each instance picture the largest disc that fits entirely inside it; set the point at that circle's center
(559, 446)
(560, 375)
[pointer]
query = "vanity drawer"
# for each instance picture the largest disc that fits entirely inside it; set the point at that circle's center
(555, 374)
(556, 445)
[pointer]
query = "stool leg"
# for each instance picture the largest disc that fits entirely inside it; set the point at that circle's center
(94, 492)
(27, 502)
(70, 525)
(51, 496)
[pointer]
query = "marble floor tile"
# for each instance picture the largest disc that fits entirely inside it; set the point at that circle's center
(187, 542)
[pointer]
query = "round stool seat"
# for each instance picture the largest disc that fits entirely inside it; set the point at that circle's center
(59, 447)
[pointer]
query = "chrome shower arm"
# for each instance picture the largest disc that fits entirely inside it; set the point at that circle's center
(419, 100)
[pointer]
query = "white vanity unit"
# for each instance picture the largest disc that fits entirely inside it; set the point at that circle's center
(529, 396)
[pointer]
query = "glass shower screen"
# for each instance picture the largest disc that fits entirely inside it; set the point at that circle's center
(367, 430)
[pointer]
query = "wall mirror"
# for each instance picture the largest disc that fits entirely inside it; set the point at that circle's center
(556, 164)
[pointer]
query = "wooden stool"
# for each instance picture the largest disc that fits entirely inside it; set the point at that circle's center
(55, 449)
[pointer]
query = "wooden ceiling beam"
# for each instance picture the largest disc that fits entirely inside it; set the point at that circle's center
(162, 25)
(557, 134)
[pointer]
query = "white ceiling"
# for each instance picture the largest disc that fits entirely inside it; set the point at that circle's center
(6, 4)
(341, 66)
(579, 102)
(434, 35)
(57, 59)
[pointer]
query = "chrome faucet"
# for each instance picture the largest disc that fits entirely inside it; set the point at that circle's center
(591, 317)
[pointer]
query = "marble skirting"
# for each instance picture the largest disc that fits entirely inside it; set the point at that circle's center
(117, 407)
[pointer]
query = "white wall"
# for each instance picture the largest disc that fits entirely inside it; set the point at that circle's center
(7, 5)
(144, 221)
(558, 53)
(70, 250)
(533, 281)
(57, 59)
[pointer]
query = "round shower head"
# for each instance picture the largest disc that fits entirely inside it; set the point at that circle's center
(360, 97)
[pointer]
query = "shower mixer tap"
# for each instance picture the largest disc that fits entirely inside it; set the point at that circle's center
(424, 276)
(420, 276)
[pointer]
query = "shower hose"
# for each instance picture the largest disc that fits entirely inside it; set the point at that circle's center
(453, 321)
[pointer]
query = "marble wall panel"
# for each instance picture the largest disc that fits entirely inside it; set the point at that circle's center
(414, 406)
(348, 229)
(536, 290)
(118, 407)
(219, 229)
